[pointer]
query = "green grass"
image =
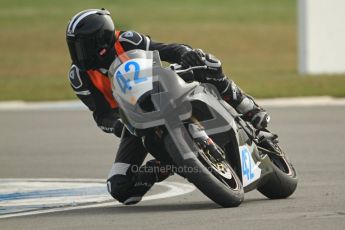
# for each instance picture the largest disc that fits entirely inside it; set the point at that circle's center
(255, 39)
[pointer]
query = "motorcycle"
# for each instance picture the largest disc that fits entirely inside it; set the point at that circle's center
(221, 154)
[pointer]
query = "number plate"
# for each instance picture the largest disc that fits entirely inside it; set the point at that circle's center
(250, 171)
(133, 79)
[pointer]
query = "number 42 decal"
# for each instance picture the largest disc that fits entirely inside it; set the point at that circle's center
(250, 170)
(247, 167)
(123, 82)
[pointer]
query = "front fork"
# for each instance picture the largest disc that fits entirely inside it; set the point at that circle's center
(206, 143)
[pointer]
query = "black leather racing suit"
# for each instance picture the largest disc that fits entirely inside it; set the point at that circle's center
(92, 87)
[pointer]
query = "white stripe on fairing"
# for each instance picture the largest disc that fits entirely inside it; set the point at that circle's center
(174, 189)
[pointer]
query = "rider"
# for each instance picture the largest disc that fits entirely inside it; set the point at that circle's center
(93, 45)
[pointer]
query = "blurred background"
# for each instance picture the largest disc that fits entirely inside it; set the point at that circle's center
(255, 39)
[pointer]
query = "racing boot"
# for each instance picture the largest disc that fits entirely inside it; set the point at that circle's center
(245, 105)
(232, 94)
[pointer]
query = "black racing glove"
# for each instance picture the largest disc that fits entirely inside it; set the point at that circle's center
(109, 122)
(192, 58)
(214, 69)
(212, 74)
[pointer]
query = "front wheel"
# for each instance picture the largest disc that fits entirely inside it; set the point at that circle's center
(216, 179)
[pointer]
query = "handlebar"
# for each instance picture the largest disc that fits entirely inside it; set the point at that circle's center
(190, 68)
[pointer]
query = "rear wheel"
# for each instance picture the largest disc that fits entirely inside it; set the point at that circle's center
(211, 175)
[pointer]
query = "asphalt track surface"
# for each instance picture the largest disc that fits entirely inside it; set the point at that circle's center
(67, 144)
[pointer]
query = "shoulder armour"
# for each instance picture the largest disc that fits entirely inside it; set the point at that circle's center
(131, 37)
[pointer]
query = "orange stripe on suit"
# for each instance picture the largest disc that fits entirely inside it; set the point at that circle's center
(119, 49)
(102, 82)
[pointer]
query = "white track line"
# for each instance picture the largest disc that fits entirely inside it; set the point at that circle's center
(174, 189)
(302, 102)
(48, 105)
(77, 105)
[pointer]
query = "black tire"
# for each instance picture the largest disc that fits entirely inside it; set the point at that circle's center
(203, 178)
(282, 182)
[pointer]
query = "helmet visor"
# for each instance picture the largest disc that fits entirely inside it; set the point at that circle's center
(82, 52)
(85, 52)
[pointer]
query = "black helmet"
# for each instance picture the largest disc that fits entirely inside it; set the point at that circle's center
(90, 38)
